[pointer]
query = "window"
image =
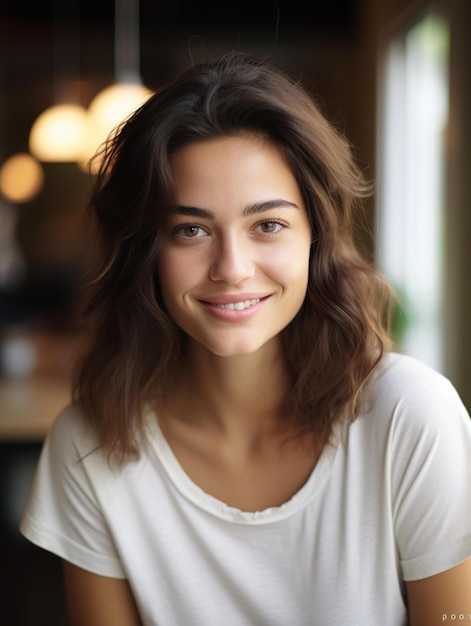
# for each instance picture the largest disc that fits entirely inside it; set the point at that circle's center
(410, 225)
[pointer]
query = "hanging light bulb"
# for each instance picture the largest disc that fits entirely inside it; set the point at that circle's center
(21, 178)
(105, 113)
(115, 103)
(58, 133)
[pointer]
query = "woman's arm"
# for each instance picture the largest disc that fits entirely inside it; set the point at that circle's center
(97, 600)
(441, 599)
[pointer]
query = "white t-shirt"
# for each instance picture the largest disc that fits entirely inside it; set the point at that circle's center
(389, 501)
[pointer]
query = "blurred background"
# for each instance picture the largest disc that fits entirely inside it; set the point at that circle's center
(393, 75)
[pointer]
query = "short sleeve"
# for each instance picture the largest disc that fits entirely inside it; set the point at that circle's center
(63, 515)
(431, 475)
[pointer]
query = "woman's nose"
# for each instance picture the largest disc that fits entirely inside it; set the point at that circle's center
(232, 262)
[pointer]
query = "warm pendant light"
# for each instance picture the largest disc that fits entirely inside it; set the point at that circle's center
(115, 103)
(106, 111)
(58, 133)
(21, 178)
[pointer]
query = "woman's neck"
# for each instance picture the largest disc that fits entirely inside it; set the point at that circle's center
(233, 394)
(224, 423)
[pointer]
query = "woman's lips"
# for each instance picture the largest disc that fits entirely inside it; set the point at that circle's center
(232, 309)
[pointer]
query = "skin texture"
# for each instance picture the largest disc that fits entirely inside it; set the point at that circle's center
(97, 600)
(441, 599)
(252, 241)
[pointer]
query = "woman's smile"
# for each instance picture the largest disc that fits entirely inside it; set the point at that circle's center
(232, 310)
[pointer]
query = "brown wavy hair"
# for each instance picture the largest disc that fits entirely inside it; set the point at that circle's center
(336, 339)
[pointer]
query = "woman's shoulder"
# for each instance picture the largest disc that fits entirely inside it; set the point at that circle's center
(410, 391)
(398, 365)
(402, 376)
(71, 431)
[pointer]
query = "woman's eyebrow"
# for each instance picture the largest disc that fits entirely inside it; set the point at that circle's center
(268, 205)
(250, 209)
(193, 211)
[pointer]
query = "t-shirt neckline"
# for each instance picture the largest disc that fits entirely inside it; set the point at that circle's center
(215, 507)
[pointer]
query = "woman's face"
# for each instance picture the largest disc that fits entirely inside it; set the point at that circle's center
(235, 261)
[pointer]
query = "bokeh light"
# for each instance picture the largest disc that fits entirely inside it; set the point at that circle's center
(58, 133)
(21, 178)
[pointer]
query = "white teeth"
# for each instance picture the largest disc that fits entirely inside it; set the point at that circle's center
(238, 306)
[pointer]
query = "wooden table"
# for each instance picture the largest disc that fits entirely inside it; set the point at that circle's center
(29, 406)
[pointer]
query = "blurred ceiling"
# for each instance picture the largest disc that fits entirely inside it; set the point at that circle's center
(321, 14)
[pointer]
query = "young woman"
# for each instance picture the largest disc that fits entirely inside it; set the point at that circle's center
(243, 447)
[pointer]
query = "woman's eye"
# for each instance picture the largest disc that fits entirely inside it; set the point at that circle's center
(189, 231)
(270, 227)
